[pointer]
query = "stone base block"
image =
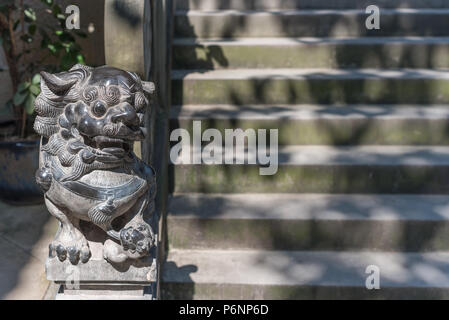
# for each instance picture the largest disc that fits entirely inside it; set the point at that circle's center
(105, 292)
(100, 280)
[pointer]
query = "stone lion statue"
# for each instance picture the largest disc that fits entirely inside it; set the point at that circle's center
(89, 119)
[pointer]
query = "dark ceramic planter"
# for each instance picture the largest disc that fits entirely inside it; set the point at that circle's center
(19, 161)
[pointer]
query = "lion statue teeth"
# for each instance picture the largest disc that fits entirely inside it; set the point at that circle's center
(89, 119)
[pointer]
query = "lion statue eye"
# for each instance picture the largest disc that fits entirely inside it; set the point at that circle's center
(99, 108)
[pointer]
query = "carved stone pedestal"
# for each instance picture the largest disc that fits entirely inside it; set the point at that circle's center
(102, 292)
(99, 279)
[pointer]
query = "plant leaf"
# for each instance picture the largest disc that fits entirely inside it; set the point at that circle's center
(19, 98)
(30, 14)
(35, 90)
(15, 25)
(29, 104)
(66, 37)
(47, 2)
(56, 10)
(52, 48)
(36, 79)
(32, 29)
(80, 58)
(23, 86)
(67, 61)
(27, 38)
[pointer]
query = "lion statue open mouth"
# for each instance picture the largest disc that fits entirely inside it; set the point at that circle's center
(89, 119)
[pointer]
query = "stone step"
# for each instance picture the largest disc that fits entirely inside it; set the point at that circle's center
(368, 52)
(304, 4)
(245, 274)
(314, 86)
(323, 169)
(309, 23)
(309, 222)
(317, 125)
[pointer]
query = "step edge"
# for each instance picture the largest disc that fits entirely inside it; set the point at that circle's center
(313, 207)
(307, 41)
(303, 12)
(223, 112)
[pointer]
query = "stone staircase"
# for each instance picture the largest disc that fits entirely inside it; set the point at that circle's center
(363, 178)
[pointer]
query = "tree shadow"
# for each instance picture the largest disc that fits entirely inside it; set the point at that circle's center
(349, 89)
(183, 286)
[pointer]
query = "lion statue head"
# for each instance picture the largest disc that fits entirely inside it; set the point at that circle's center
(89, 117)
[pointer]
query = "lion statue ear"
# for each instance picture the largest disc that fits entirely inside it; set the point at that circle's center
(81, 66)
(57, 85)
(148, 87)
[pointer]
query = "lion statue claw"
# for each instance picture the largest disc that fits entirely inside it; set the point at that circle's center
(89, 119)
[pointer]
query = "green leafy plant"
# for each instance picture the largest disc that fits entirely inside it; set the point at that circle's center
(33, 42)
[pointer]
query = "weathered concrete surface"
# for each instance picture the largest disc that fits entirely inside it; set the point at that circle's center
(325, 125)
(309, 23)
(247, 274)
(372, 52)
(315, 86)
(305, 4)
(327, 169)
(326, 82)
(25, 232)
(308, 222)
